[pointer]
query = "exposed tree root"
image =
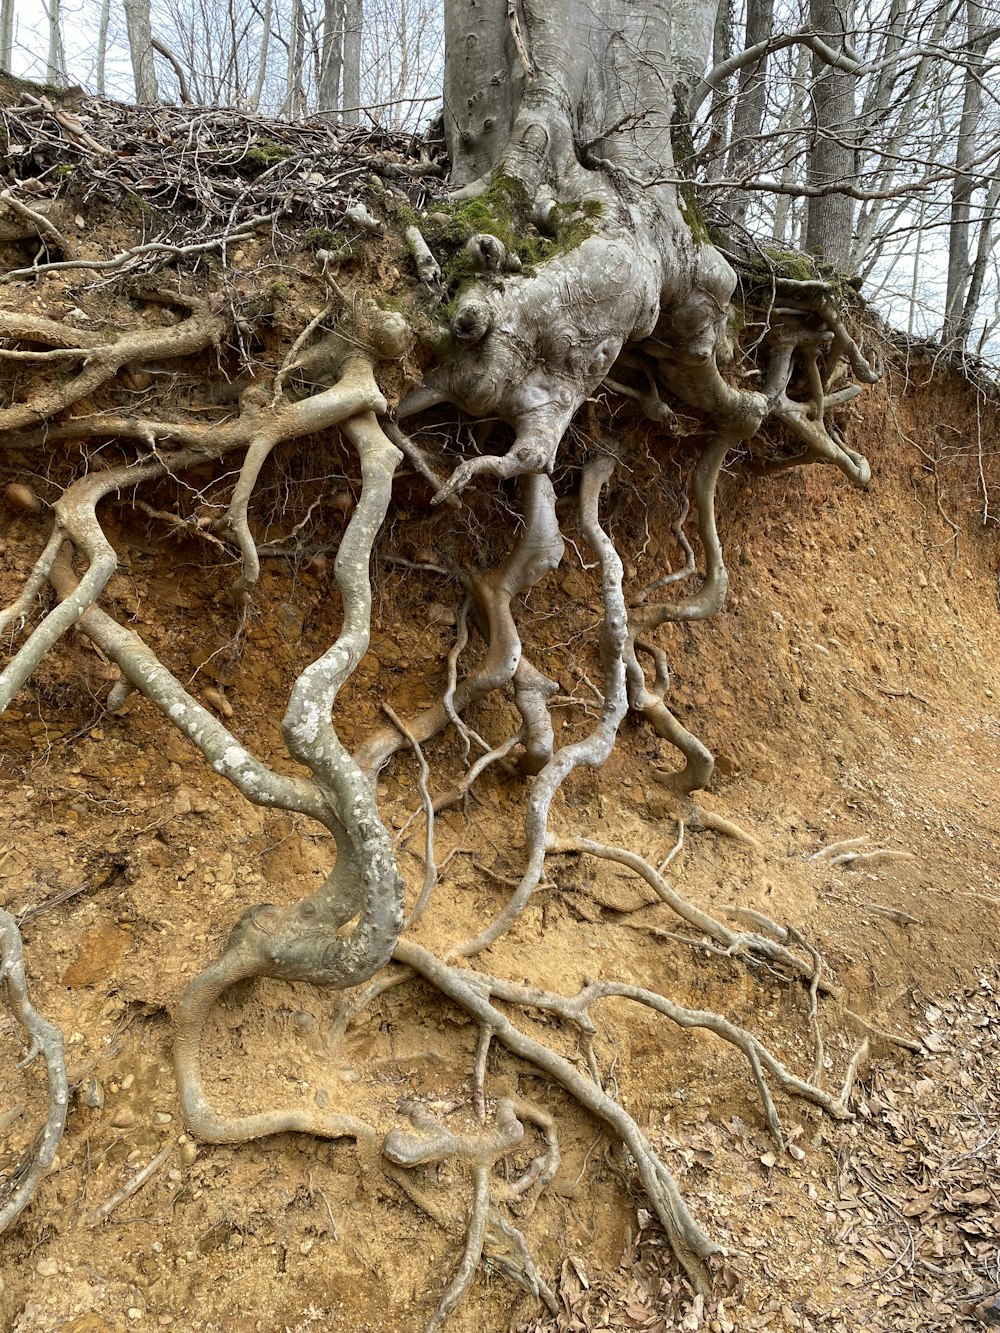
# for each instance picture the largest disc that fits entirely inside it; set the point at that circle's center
(45, 1040)
(636, 309)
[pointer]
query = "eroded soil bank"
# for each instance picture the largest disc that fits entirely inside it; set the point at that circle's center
(849, 691)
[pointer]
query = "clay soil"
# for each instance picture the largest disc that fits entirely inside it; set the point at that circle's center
(849, 690)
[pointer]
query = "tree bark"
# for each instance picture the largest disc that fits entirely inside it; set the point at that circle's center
(353, 24)
(332, 56)
(55, 65)
(573, 102)
(956, 330)
(102, 46)
(748, 115)
(6, 34)
(140, 45)
(830, 217)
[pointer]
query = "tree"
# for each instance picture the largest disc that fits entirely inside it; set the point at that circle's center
(579, 261)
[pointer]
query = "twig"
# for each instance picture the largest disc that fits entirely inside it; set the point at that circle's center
(97, 1215)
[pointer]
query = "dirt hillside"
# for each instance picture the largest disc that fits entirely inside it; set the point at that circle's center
(850, 691)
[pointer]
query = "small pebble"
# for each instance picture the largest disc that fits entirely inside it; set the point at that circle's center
(134, 1312)
(124, 1118)
(93, 1094)
(163, 1117)
(21, 499)
(46, 1268)
(127, 1081)
(188, 1154)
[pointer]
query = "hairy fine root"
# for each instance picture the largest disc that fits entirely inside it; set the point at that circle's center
(45, 1040)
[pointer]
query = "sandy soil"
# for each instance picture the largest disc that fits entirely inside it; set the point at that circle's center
(849, 691)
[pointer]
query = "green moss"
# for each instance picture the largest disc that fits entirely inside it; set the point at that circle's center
(790, 264)
(322, 238)
(134, 206)
(692, 214)
(264, 153)
(502, 211)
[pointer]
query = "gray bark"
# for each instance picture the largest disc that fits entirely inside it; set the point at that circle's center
(748, 115)
(353, 22)
(265, 46)
(332, 55)
(140, 45)
(55, 66)
(574, 101)
(956, 329)
(830, 217)
(102, 46)
(6, 34)
(294, 96)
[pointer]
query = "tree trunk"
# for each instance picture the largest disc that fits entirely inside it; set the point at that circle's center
(102, 46)
(6, 34)
(353, 23)
(294, 99)
(328, 90)
(55, 65)
(574, 102)
(140, 45)
(959, 267)
(748, 116)
(984, 248)
(262, 56)
(830, 216)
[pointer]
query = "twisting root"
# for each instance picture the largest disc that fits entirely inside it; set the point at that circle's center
(808, 419)
(538, 550)
(45, 1040)
(596, 747)
(430, 864)
(14, 617)
(302, 942)
(430, 1141)
(734, 943)
(101, 360)
(707, 602)
(470, 992)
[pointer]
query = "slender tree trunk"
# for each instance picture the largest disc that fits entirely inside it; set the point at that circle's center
(55, 65)
(102, 46)
(791, 125)
(984, 249)
(830, 216)
(262, 56)
(353, 25)
(140, 45)
(6, 34)
(748, 115)
(333, 55)
(959, 266)
(293, 73)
